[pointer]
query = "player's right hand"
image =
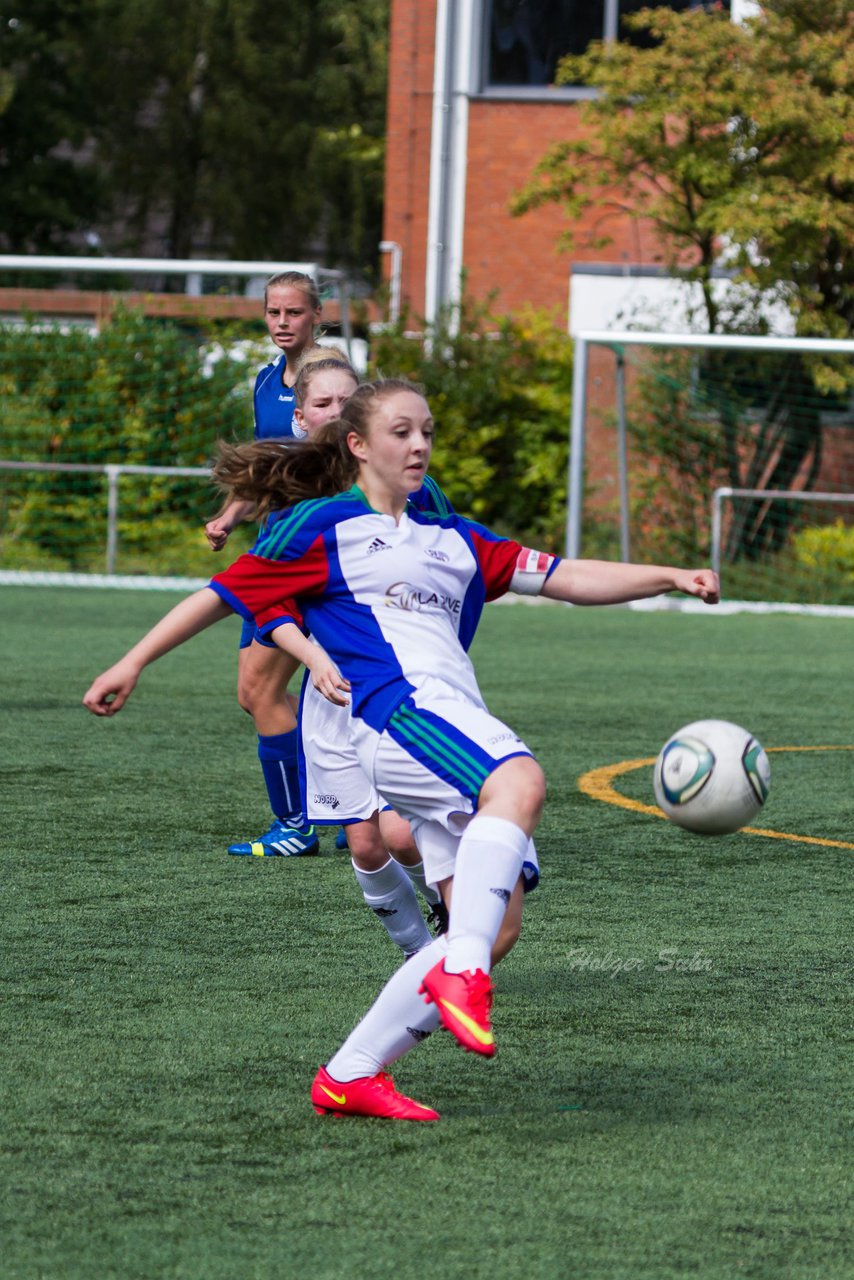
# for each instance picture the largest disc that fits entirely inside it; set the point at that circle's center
(110, 691)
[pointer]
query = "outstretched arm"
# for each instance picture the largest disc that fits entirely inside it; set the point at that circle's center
(111, 690)
(614, 582)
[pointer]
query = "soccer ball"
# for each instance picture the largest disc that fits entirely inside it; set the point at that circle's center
(711, 777)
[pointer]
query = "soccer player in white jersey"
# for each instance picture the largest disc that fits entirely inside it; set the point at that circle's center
(394, 596)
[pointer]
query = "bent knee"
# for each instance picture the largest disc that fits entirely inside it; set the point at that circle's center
(516, 790)
(535, 784)
(244, 701)
(367, 848)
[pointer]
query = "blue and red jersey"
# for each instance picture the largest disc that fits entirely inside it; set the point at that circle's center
(428, 498)
(393, 603)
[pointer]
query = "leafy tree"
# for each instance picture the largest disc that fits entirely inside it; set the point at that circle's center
(47, 108)
(733, 142)
(213, 127)
(256, 133)
(136, 393)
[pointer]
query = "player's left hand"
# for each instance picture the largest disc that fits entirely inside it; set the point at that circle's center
(328, 680)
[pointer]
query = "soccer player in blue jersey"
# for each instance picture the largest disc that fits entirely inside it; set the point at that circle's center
(292, 312)
(394, 596)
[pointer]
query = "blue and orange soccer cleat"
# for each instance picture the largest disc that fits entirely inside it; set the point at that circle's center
(464, 1002)
(281, 841)
(367, 1096)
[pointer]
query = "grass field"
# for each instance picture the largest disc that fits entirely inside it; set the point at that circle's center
(165, 1006)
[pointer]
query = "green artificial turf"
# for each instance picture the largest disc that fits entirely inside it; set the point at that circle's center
(672, 1093)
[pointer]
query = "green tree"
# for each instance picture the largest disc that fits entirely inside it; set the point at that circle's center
(207, 127)
(733, 142)
(137, 393)
(255, 133)
(498, 387)
(48, 187)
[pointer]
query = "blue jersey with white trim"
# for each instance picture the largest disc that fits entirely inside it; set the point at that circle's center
(393, 603)
(274, 403)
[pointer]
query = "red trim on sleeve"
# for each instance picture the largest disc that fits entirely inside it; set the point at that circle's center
(262, 585)
(279, 614)
(497, 561)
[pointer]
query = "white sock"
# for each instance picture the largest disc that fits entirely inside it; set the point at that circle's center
(390, 895)
(396, 1022)
(489, 862)
(427, 891)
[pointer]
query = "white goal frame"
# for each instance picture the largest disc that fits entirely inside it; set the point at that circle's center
(616, 340)
(767, 495)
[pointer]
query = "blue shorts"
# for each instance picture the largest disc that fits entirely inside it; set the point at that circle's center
(249, 632)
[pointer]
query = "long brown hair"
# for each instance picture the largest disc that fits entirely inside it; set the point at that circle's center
(272, 474)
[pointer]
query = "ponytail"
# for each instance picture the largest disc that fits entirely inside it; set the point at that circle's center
(272, 474)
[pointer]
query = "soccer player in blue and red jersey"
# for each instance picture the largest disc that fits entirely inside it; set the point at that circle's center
(394, 596)
(335, 791)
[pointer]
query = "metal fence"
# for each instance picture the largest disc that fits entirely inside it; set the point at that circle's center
(114, 473)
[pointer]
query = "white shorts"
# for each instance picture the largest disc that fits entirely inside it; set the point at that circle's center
(335, 788)
(434, 759)
(438, 849)
(435, 754)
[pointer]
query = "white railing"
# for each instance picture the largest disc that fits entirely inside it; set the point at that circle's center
(114, 473)
(766, 495)
(192, 269)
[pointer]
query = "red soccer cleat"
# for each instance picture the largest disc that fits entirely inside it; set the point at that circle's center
(464, 1001)
(367, 1096)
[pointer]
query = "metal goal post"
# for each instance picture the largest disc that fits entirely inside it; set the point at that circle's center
(616, 340)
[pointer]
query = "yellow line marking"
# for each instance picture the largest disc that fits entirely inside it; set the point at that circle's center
(599, 785)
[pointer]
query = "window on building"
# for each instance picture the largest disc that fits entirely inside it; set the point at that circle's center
(527, 38)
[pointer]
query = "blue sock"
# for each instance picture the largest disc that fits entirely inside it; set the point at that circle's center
(279, 758)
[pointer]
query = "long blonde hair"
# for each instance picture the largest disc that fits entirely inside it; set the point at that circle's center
(295, 280)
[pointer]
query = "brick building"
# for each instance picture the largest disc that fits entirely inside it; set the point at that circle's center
(471, 109)
(470, 112)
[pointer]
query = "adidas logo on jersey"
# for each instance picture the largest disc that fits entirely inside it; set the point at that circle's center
(377, 545)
